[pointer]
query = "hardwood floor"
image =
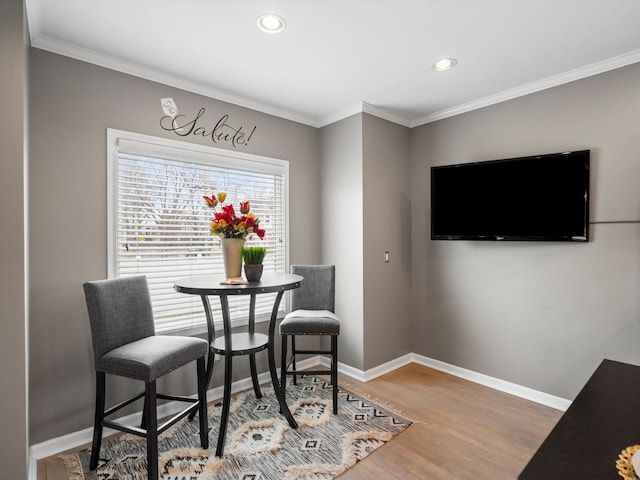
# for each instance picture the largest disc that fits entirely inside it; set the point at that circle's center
(461, 430)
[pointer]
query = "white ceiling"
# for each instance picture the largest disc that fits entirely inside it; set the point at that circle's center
(339, 57)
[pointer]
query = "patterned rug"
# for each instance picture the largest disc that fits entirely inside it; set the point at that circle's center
(260, 444)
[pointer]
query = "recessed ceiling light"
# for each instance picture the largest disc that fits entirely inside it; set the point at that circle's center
(271, 23)
(444, 64)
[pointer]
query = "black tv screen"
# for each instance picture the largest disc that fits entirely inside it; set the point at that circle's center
(537, 198)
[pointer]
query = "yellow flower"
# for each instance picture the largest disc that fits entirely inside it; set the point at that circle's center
(222, 196)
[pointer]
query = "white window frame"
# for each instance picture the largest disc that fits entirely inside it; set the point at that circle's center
(192, 153)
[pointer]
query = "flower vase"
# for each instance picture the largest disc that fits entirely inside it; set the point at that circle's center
(232, 256)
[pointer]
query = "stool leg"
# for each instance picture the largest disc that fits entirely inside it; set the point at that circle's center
(151, 415)
(97, 423)
(143, 422)
(202, 407)
(226, 403)
(334, 371)
(293, 358)
(283, 367)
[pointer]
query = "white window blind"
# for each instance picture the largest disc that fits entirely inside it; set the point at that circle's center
(159, 222)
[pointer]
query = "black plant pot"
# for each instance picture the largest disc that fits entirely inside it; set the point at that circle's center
(253, 272)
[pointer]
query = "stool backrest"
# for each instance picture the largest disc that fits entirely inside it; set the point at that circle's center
(120, 312)
(318, 289)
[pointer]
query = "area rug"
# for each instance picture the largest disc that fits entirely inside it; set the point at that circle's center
(260, 444)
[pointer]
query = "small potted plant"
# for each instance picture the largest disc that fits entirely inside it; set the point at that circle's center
(253, 257)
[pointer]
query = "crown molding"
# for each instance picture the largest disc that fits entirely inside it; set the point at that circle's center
(106, 61)
(340, 115)
(38, 40)
(62, 48)
(385, 114)
(533, 87)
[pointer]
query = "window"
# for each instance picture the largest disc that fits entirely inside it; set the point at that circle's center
(159, 223)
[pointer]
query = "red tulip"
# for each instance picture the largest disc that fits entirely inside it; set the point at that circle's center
(211, 201)
(244, 207)
(228, 209)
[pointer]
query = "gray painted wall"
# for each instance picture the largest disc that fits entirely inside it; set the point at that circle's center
(13, 293)
(387, 227)
(366, 211)
(540, 315)
(342, 233)
(73, 103)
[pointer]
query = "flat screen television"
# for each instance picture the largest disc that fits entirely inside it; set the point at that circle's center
(537, 198)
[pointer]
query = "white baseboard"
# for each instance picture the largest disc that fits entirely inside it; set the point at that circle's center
(365, 376)
(82, 437)
(511, 388)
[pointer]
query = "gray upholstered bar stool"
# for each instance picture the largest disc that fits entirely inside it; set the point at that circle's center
(312, 306)
(125, 344)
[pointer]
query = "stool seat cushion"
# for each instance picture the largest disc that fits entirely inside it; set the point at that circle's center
(152, 357)
(310, 322)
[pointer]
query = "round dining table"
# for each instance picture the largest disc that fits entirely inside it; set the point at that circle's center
(247, 342)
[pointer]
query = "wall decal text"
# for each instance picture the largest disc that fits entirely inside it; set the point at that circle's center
(221, 132)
